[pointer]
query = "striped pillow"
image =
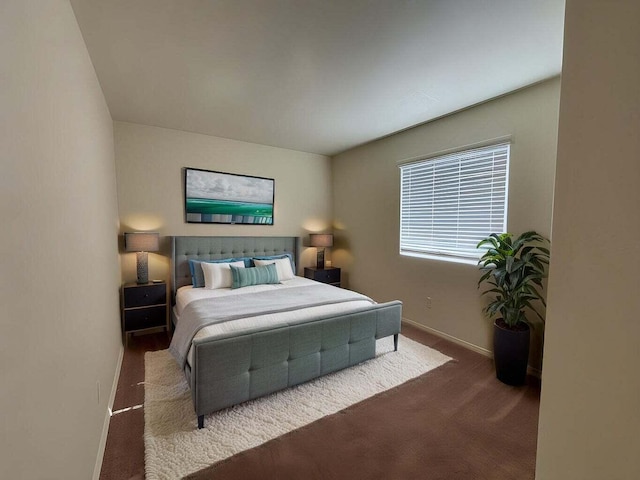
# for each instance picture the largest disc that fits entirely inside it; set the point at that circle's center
(283, 266)
(218, 275)
(243, 277)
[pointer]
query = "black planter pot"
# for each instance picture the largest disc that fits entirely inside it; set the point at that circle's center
(511, 353)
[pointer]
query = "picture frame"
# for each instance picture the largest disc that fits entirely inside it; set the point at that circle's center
(227, 198)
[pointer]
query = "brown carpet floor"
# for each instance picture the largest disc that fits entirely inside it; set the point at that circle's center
(124, 452)
(455, 422)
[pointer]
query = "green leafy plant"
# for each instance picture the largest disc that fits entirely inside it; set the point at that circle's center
(514, 269)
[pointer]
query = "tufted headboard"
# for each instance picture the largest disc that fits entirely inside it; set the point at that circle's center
(184, 249)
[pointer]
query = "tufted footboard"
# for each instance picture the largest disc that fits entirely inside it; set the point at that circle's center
(232, 370)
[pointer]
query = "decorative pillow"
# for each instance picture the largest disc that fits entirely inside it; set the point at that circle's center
(197, 275)
(243, 277)
(283, 266)
(277, 257)
(218, 275)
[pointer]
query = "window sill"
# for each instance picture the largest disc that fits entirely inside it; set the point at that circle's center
(443, 258)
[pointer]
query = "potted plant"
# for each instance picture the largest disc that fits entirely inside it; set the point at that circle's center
(514, 270)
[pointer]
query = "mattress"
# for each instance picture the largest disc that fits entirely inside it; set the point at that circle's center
(187, 294)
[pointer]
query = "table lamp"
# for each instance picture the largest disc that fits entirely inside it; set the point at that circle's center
(321, 241)
(142, 243)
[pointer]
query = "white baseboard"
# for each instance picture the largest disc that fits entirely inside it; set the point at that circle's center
(482, 351)
(107, 418)
(446, 336)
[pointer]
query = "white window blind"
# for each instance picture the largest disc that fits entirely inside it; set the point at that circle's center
(449, 203)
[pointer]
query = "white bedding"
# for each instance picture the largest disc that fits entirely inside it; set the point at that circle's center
(187, 294)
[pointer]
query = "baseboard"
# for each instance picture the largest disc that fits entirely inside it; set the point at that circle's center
(451, 338)
(107, 418)
(482, 351)
(534, 371)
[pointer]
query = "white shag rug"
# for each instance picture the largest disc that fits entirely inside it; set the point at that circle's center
(174, 447)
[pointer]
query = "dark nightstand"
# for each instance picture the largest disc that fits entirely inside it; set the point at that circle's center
(329, 275)
(144, 307)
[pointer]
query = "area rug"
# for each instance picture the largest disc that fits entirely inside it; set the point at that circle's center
(174, 447)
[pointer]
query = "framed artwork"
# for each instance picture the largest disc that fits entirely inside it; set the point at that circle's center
(218, 197)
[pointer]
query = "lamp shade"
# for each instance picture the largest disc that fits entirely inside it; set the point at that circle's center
(141, 242)
(321, 240)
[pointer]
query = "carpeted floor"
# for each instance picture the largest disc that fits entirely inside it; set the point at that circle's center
(174, 447)
(456, 422)
(124, 452)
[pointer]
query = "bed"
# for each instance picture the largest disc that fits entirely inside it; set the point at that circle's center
(253, 345)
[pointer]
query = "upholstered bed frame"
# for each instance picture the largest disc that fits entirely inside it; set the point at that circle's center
(228, 371)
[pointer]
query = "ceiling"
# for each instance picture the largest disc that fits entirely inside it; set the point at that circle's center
(318, 76)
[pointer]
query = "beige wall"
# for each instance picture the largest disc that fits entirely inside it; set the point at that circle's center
(589, 420)
(59, 272)
(366, 206)
(150, 187)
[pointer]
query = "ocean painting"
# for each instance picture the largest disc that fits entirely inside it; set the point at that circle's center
(217, 197)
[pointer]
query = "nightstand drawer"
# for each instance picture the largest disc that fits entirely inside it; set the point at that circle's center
(141, 318)
(325, 275)
(328, 276)
(143, 295)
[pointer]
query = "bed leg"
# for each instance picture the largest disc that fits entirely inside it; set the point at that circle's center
(395, 342)
(200, 421)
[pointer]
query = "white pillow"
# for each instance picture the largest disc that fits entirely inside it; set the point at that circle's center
(283, 266)
(218, 275)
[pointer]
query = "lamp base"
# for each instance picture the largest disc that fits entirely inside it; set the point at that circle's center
(142, 261)
(320, 260)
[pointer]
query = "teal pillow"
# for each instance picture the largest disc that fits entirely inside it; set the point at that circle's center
(243, 277)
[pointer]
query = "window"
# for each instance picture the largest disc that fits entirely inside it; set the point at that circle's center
(450, 202)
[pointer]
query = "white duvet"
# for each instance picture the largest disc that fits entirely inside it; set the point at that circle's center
(187, 294)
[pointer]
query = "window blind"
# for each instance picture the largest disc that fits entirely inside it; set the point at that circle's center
(451, 202)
